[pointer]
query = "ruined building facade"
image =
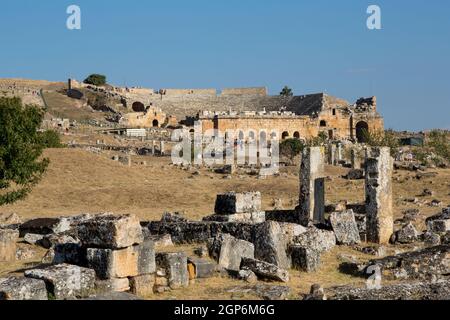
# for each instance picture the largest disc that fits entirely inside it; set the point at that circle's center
(309, 116)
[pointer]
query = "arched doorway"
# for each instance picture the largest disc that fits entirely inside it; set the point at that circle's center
(362, 129)
(297, 135)
(241, 135)
(323, 123)
(285, 135)
(138, 107)
(155, 123)
(251, 135)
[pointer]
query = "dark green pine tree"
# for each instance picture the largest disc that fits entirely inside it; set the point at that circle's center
(286, 92)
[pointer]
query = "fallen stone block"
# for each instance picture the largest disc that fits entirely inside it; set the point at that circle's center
(182, 232)
(345, 227)
(253, 217)
(426, 264)
(263, 291)
(112, 285)
(270, 244)
(305, 259)
(44, 226)
(247, 276)
(9, 219)
(65, 281)
(407, 234)
(122, 263)
(265, 270)
(174, 265)
(228, 251)
(142, 286)
(404, 291)
(316, 293)
(14, 288)
(71, 253)
(438, 226)
(51, 240)
(316, 239)
(8, 244)
(232, 202)
(202, 268)
(111, 232)
(32, 238)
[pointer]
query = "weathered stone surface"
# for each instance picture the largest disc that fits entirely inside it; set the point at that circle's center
(71, 253)
(142, 286)
(112, 285)
(228, 251)
(263, 291)
(232, 202)
(265, 270)
(51, 240)
(426, 264)
(407, 234)
(44, 226)
(316, 293)
(114, 296)
(404, 291)
(14, 288)
(202, 268)
(160, 241)
(312, 186)
(32, 238)
(316, 239)
(111, 232)
(8, 247)
(305, 259)
(173, 217)
(271, 245)
(291, 230)
(345, 227)
(121, 263)
(247, 276)
(8, 219)
(253, 217)
(201, 232)
(175, 266)
(438, 226)
(431, 239)
(380, 221)
(65, 281)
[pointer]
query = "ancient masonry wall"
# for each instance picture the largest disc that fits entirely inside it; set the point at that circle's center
(379, 168)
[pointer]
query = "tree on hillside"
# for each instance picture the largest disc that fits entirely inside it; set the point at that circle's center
(96, 79)
(286, 92)
(20, 149)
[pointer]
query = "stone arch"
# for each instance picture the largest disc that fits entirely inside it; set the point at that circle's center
(155, 123)
(362, 129)
(241, 135)
(297, 135)
(138, 107)
(323, 123)
(285, 135)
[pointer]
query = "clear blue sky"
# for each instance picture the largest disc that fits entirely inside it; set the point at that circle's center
(312, 46)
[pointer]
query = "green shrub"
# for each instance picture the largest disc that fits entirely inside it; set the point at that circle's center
(291, 148)
(439, 142)
(51, 139)
(96, 80)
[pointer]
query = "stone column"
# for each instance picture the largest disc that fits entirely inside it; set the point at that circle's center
(331, 154)
(312, 186)
(355, 158)
(380, 220)
(339, 153)
(153, 147)
(161, 148)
